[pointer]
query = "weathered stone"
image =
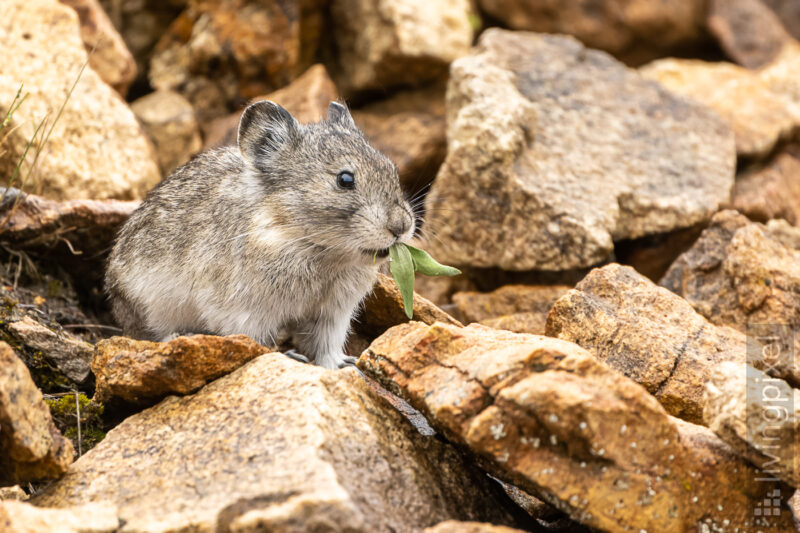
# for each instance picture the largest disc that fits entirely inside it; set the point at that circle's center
(13, 493)
(757, 112)
(383, 308)
(633, 30)
(168, 118)
(647, 333)
(546, 415)
(277, 446)
(788, 12)
(109, 56)
(410, 129)
(397, 42)
(25, 518)
(519, 308)
(144, 372)
(219, 54)
(454, 526)
(97, 148)
(737, 274)
(748, 31)
(759, 416)
(771, 192)
(555, 151)
(31, 448)
(70, 354)
(307, 98)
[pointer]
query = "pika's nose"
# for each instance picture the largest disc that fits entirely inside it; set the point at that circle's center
(398, 224)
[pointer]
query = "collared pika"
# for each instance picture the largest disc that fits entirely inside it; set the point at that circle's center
(275, 237)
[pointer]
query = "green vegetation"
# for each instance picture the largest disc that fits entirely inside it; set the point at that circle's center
(88, 433)
(404, 260)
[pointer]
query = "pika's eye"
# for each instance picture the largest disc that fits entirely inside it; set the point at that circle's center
(346, 180)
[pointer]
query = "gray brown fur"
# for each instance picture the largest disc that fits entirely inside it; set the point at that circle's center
(259, 239)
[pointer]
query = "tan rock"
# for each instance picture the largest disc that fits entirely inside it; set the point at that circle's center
(220, 53)
(758, 415)
(277, 446)
(788, 12)
(31, 448)
(109, 56)
(385, 43)
(749, 32)
(762, 107)
(547, 174)
(771, 192)
(383, 308)
(633, 30)
(647, 333)
(25, 518)
(740, 274)
(97, 148)
(454, 526)
(518, 308)
(168, 118)
(68, 353)
(144, 372)
(13, 493)
(307, 98)
(546, 415)
(410, 129)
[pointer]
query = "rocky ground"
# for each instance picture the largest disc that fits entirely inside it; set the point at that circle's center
(619, 182)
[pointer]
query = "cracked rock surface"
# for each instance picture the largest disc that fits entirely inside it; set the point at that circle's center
(546, 415)
(556, 151)
(277, 446)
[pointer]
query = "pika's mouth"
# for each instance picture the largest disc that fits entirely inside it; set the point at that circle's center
(382, 253)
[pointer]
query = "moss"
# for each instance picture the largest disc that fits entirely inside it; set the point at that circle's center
(54, 288)
(64, 415)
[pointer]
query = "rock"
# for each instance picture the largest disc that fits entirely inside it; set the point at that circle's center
(545, 415)
(31, 448)
(556, 151)
(13, 493)
(219, 54)
(108, 55)
(409, 128)
(633, 30)
(70, 354)
(740, 274)
(397, 42)
(143, 372)
(748, 31)
(168, 118)
(383, 308)
(788, 12)
(758, 415)
(277, 446)
(454, 526)
(25, 518)
(648, 334)
(771, 192)
(757, 112)
(652, 255)
(518, 308)
(307, 98)
(97, 148)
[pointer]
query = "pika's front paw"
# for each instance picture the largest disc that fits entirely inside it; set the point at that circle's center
(333, 362)
(347, 361)
(291, 354)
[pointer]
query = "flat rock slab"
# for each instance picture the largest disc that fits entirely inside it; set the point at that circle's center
(144, 372)
(555, 151)
(31, 448)
(277, 446)
(546, 415)
(647, 333)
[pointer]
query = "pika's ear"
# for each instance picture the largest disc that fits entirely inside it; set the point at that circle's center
(339, 114)
(264, 128)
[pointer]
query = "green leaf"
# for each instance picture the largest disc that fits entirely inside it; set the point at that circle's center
(402, 266)
(427, 265)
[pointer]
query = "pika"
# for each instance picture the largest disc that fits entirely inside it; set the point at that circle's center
(278, 237)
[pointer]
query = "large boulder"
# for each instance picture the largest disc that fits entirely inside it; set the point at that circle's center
(277, 446)
(633, 30)
(546, 415)
(741, 274)
(97, 148)
(384, 43)
(31, 448)
(556, 151)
